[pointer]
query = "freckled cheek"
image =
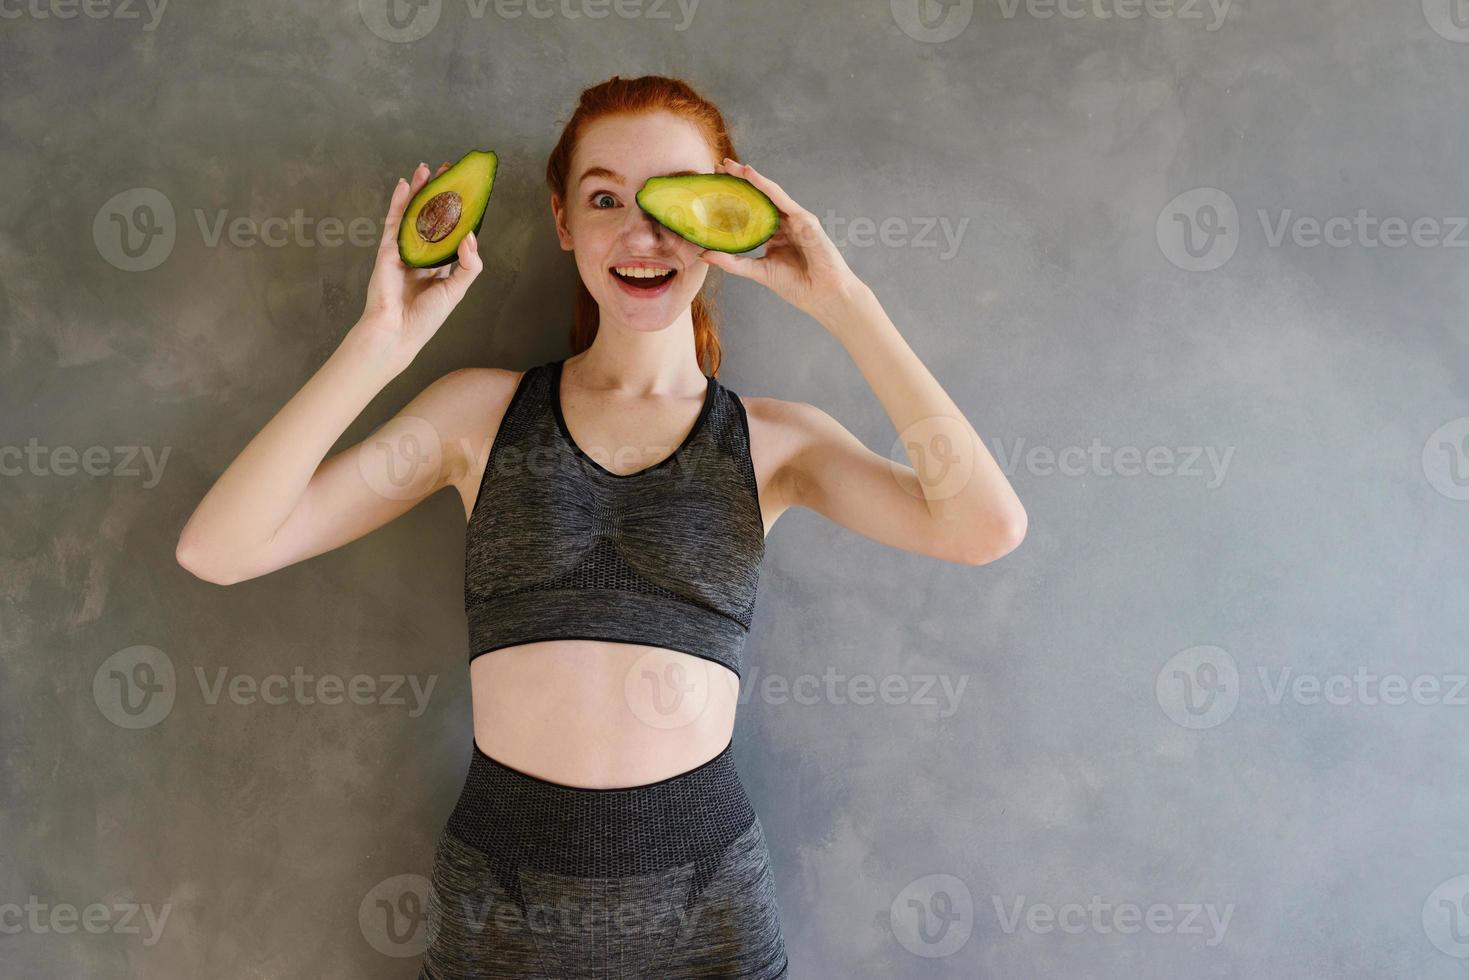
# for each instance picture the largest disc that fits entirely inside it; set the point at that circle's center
(589, 225)
(592, 241)
(694, 270)
(594, 275)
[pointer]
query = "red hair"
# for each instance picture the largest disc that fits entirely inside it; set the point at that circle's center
(648, 93)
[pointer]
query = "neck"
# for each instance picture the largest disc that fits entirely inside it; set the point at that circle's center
(642, 362)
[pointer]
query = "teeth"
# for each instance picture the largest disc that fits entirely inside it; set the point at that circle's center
(640, 272)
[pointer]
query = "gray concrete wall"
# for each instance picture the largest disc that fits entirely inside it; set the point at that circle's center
(1208, 721)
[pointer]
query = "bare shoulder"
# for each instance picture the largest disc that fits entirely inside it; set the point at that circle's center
(781, 420)
(780, 431)
(465, 408)
(809, 452)
(480, 387)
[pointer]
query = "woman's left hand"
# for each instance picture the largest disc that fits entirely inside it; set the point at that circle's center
(801, 264)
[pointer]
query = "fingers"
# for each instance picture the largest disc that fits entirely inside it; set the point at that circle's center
(403, 192)
(798, 227)
(420, 177)
(432, 306)
(787, 205)
(738, 265)
(465, 270)
(396, 204)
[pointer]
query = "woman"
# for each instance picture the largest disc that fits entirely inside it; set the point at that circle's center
(616, 526)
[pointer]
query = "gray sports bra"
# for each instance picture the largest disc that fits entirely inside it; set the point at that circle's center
(558, 547)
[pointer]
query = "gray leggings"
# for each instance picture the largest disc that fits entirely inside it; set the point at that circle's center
(535, 879)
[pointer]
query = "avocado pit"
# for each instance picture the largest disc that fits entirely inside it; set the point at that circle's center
(439, 216)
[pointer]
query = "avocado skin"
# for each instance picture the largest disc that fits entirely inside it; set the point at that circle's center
(413, 250)
(767, 215)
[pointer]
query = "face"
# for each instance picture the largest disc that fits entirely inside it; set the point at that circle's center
(600, 220)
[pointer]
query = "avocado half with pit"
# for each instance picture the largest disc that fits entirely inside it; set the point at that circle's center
(446, 209)
(720, 212)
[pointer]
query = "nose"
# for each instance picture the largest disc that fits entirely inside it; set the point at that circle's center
(642, 231)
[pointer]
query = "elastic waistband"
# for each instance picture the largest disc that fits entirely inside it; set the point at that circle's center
(724, 759)
(524, 821)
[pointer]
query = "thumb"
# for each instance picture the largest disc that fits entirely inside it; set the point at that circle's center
(735, 264)
(439, 298)
(456, 284)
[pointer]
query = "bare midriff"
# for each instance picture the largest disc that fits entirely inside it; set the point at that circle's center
(599, 714)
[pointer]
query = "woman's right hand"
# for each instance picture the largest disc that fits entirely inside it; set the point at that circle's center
(406, 306)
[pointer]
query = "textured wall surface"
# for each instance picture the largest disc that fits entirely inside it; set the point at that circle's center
(1196, 272)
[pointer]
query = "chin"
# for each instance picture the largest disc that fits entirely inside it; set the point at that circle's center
(652, 318)
(645, 315)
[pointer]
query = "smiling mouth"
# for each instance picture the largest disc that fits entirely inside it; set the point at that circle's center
(647, 280)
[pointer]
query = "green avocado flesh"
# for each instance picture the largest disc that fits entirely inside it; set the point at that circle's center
(720, 212)
(446, 209)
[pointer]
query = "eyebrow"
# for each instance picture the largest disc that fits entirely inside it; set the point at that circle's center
(614, 175)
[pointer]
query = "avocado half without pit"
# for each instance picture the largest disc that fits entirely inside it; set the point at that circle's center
(720, 212)
(446, 209)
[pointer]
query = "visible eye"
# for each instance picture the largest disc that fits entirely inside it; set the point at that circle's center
(601, 196)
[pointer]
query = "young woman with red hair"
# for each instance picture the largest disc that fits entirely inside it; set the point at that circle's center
(616, 528)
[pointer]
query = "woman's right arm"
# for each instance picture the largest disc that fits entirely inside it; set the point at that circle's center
(278, 502)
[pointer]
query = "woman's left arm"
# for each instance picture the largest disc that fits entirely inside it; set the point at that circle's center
(954, 501)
